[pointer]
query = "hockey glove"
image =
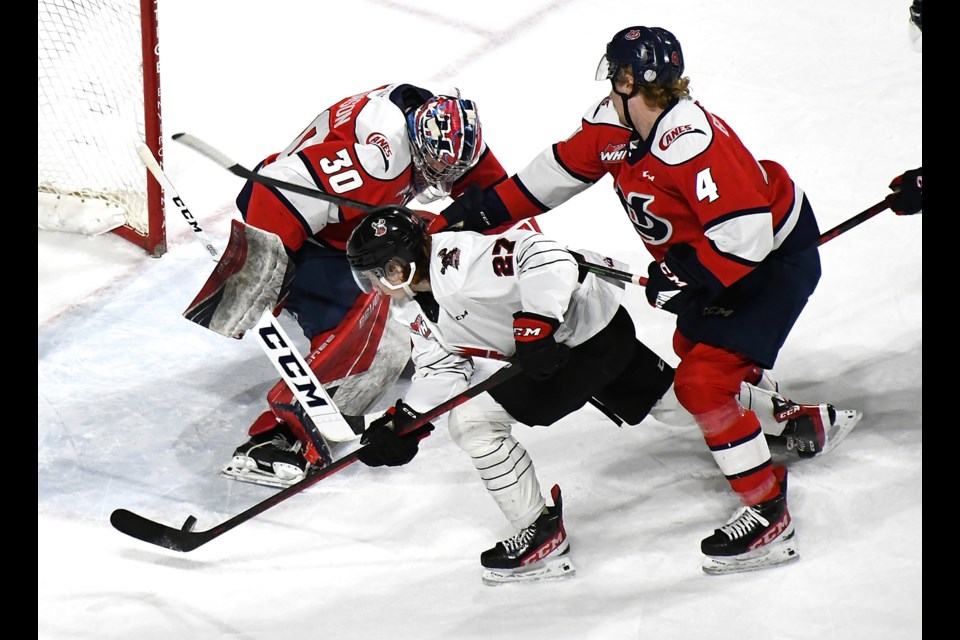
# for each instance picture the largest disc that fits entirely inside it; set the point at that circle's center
(469, 212)
(538, 352)
(380, 444)
(908, 188)
(678, 284)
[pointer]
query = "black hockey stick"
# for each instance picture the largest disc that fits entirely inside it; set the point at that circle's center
(186, 539)
(826, 236)
(863, 216)
(236, 169)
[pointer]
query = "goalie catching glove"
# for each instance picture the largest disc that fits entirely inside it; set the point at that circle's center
(380, 444)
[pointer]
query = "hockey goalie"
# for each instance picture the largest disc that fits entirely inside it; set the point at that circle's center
(390, 145)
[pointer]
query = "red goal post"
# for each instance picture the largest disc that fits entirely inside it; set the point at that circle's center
(98, 98)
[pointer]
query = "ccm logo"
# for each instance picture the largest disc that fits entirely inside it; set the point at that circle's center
(293, 369)
(671, 276)
(526, 332)
(771, 534)
(546, 548)
(783, 415)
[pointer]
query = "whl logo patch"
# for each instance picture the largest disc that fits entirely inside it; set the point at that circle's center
(614, 152)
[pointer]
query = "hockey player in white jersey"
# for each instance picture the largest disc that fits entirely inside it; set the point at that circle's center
(516, 295)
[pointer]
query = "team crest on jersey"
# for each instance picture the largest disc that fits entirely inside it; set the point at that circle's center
(379, 227)
(652, 228)
(676, 133)
(381, 142)
(419, 326)
(449, 259)
(614, 152)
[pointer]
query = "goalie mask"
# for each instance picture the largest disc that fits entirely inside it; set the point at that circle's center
(385, 247)
(445, 143)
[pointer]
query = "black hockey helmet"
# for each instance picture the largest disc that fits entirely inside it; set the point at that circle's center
(653, 53)
(387, 241)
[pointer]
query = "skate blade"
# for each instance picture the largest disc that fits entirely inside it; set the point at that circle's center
(776, 554)
(256, 477)
(846, 420)
(549, 569)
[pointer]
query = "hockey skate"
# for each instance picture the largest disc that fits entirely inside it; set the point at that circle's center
(272, 458)
(756, 537)
(539, 552)
(811, 429)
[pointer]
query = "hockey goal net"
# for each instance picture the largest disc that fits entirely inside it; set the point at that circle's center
(98, 98)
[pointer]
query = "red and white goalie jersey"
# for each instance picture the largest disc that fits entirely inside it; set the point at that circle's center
(478, 282)
(358, 149)
(693, 181)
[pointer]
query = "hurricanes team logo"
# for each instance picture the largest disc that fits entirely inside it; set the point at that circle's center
(420, 327)
(379, 227)
(380, 141)
(676, 133)
(449, 259)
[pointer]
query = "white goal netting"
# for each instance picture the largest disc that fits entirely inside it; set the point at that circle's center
(90, 115)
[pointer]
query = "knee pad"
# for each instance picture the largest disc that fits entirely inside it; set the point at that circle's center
(479, 424)
(709, 378)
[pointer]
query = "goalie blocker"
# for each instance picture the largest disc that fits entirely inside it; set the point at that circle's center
(253, 275)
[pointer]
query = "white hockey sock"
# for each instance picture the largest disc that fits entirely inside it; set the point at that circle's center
(483, 429)
(509, 475)
(760, 402)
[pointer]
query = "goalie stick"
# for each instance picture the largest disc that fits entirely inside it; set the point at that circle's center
(146, 156)
(826, 236)
(186, 539)
(236, 169)
(325, 424)
(223, 160)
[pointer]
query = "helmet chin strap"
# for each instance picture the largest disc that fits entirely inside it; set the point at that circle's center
(624, 97)
(626, 108)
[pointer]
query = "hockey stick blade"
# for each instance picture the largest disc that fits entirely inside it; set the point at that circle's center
(185, 539)
(236, 169)
(146, 156)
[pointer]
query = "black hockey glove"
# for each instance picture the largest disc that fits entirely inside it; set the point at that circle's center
(538, 352)
(679, 283)
(908, 188)
(380, 444)
(472, 211)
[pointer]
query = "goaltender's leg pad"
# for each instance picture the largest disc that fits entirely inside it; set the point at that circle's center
(357, 362)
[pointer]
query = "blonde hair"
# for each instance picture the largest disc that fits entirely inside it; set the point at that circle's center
(653, 95)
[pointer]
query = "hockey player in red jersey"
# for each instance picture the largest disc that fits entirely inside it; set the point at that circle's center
(515, 294)
(734, 243)
(386, 146)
